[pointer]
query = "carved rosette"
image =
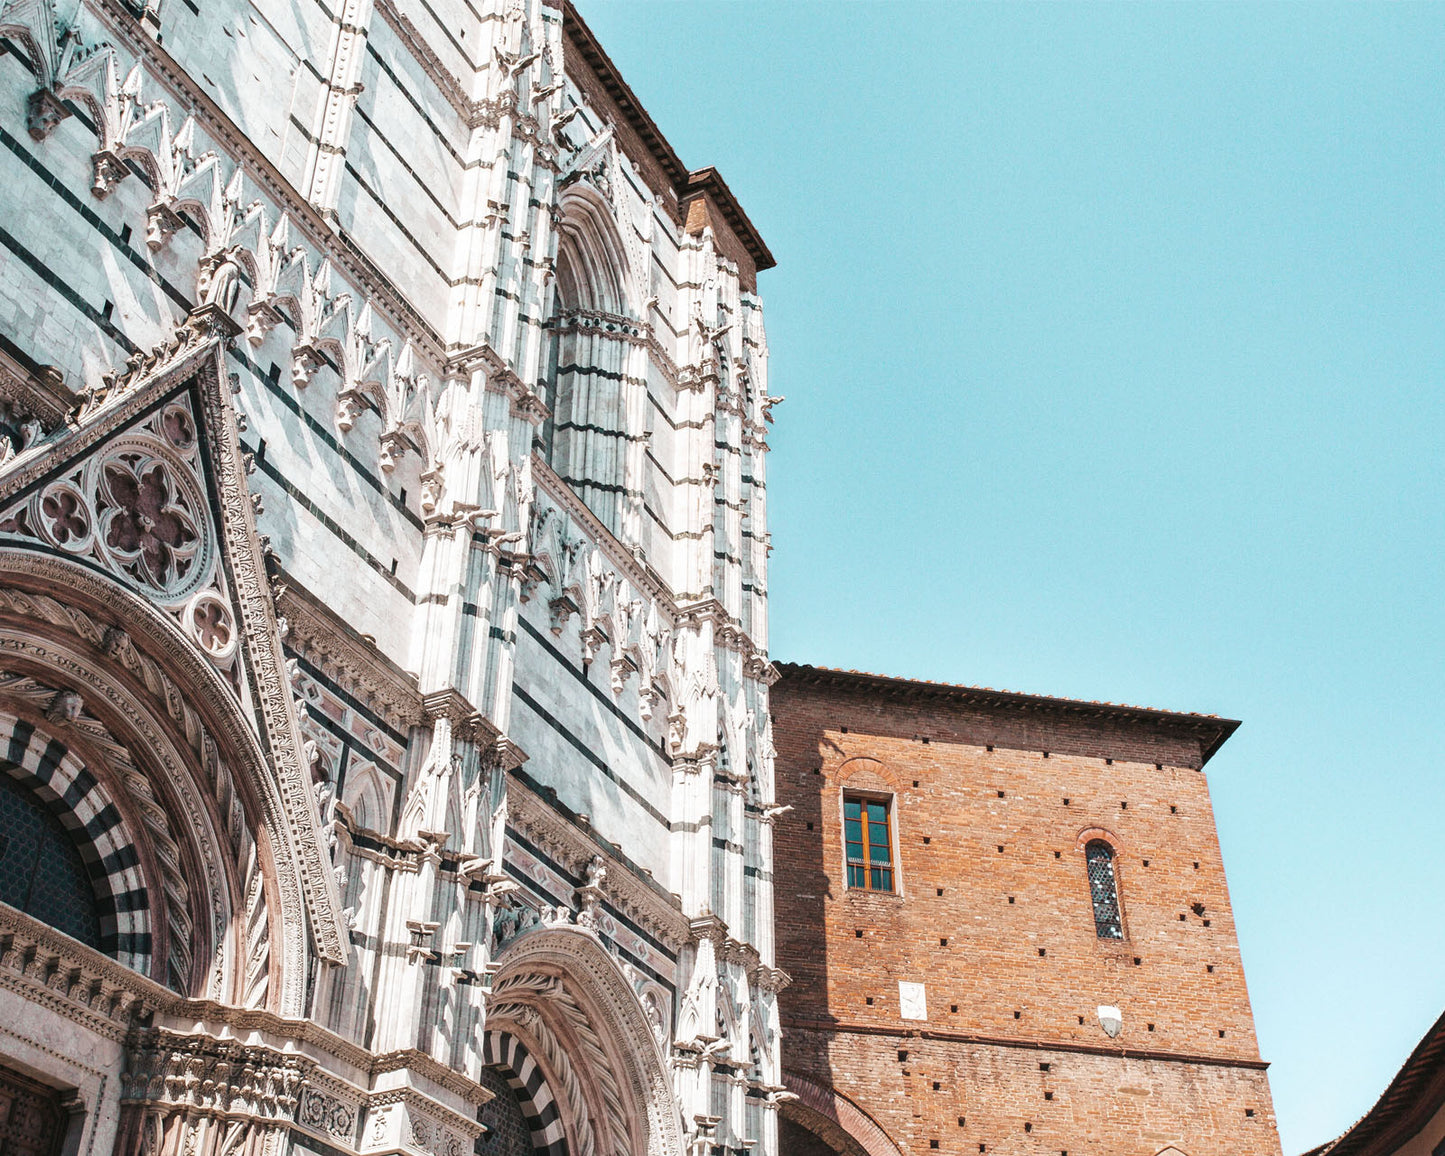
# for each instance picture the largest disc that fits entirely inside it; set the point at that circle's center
(137, 509)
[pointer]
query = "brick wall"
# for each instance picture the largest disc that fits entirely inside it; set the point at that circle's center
(992, 800)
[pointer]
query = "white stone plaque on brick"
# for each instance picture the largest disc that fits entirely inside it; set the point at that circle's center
(912, 1004)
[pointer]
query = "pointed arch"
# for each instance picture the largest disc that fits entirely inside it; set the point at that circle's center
(365, 799)
(592, 266)
(594, 433)
(525, 1077)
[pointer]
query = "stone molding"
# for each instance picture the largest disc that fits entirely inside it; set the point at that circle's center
(75, 981)
(642, 577)
(40, 393)
(352, 662)
(641, 901)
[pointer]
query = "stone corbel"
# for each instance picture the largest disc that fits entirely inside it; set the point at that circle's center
(349, 405)
(162, 223)
(648, 696)
(431, 488)
(593, 638)
(622, 667)
(421, 931)
(261, 318)
(305, 361)
(393, 445)
(43, 111)
(560, 609)
(107, 171)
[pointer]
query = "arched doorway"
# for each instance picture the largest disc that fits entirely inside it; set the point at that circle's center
(565, 1015)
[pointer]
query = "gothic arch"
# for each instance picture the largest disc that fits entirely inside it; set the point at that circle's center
(835, 1119)
(563, 996)
(595, 432)
(366, 801)
(592, 267)
(191, 747)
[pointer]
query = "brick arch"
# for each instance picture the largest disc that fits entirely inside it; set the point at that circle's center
(1089, 834)
(835, 1119)
(848, 768)
(524, 1076)
(60, 781)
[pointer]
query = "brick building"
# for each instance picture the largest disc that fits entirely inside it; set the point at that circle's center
(1007, 926)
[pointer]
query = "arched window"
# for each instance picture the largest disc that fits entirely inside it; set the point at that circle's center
(1104, 889)
(594, 437)
(42, 872)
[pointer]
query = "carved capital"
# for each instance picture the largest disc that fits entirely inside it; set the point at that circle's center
(43, 111)
(107, 171)
(162, 223)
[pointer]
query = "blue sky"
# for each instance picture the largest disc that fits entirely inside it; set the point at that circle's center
(1113, 346)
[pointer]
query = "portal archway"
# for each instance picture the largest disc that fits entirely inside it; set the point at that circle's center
(559, 993)
(111, 689)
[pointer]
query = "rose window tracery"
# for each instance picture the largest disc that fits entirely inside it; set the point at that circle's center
(66, 517)
(137, 508)
(154, 538)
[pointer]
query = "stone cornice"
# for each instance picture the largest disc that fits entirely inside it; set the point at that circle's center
(642, 576)
(36, 391)
(49, 968)
(350, 660)
(639, 897)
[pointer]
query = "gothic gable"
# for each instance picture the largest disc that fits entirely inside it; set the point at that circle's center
(147, 488)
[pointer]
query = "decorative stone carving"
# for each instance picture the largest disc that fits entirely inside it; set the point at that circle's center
(324, 1113)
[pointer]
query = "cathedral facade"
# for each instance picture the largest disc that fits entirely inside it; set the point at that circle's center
(385, 695)
(383, 593)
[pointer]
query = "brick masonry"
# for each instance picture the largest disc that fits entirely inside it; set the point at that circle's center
(993, 797)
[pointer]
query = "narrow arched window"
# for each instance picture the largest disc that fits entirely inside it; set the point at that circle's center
(1103, 889)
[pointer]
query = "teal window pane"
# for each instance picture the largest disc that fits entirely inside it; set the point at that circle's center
(850, 809)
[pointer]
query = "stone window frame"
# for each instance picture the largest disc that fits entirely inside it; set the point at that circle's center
(890, 800)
